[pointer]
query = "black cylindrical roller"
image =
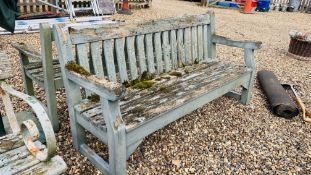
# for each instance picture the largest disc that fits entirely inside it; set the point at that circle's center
(281, 103)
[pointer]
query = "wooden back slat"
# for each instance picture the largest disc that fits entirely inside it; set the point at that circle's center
(181, 47)
(149, 53)
(205, 42)
(109, 60)
(140, 47)
(166, 51)
(83, 59)
(158, 52)
(97, 60)
(173, 43)
(130, 45)
(187, 43)
(120, 53)
(194, 44)
(200, 43)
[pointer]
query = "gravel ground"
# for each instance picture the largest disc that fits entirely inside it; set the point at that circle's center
(223, 137)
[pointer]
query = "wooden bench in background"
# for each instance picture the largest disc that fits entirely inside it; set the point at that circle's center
(42, 69)
(146, 75)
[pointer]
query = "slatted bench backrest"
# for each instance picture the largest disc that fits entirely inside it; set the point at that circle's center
(123, 53)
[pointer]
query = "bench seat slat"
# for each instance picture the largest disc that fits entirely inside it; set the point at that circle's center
(16, 159)
(55, 166)
(35, 72)
(35, 65)
(147, 104)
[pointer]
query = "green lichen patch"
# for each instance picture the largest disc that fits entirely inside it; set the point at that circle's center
(94, 98)
(143, 84)
(165, 89)
(146, 76)
(73, 66)
(138, 109)
(131, 83)
(176, 74)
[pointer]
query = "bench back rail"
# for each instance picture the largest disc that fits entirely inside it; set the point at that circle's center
(125, 53)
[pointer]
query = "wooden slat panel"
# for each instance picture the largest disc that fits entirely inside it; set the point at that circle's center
(210, 32)
(119, 47)
(97, 59)
(202, 81)
(141, 53)
(82, 56)
(150, 55)
(205, 42)
(181, 47)
(187, 42)
(94, 33)
(173, 43)
(166, 51)
(55, 165)
(130, 45)
(158, 52)
(194, 44)
(109, 60)
(200, 43)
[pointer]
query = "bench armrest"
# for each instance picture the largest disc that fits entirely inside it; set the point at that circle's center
(107, 89)
(241, 44)
(28, 128)
(23, 49)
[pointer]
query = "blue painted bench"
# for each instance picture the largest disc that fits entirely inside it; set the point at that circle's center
(145, 75)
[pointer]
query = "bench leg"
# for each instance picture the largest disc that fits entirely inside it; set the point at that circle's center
(28, 84)
(117, 153)
(116, 137)
(246, 96)
(250, 64)
(77, 131)
(50, 94)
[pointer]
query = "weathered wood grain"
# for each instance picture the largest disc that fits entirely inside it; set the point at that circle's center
(130, 45)
(109, 60)
(158, 52)
(141, 54)
(153, 101)
(5, 67)
(133, 29)
(166, 51)
(120, 53)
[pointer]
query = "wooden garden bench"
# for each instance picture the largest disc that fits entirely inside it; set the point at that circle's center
(42, 69)
(146, 75)
(20, 151)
